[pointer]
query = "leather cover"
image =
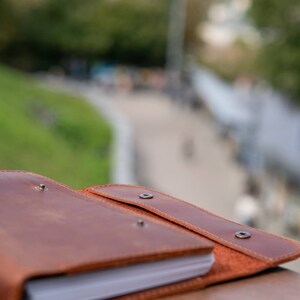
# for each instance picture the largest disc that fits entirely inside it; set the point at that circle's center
(235, 257)
(54, 230)
(47, 229)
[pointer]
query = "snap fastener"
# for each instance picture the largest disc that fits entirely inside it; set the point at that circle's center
(146, 196)
(42, 187)
(141, 223)
(243, 234)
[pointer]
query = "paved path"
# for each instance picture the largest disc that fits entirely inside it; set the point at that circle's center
(208, 177)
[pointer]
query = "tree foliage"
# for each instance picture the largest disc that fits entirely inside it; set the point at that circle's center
(35, 34)
(279, 24)
(196, 12)
(8, 26)
(127, 31)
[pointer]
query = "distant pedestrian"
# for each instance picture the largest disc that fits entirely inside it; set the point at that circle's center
(247, 206)
(188, 147)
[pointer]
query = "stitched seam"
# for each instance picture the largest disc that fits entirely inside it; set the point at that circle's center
(209, 234)
(188, 225)
(166, 215)
(95, 199)
(198, 228)
(205, 211)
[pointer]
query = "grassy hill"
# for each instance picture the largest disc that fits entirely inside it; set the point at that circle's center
(50, 133)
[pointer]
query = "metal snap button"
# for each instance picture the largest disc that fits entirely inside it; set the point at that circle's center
(141, 223)
(42, 187)
(243, 234)
(146, 196)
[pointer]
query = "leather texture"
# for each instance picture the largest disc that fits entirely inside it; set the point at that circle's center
(261, 245)
(47, 228)
(51, 229)
(234, 258)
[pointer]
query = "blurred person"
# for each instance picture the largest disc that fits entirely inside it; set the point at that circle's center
(103, 74)
(189, 95)
(188, 147)
(292, 219)
(123, 80)
(157, 80)
(78, 68)
(277, 193)
(57, 71)
(144, 78)
(290, 209)
(247, 208)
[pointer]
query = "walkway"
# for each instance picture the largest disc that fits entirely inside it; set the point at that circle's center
(180, 153)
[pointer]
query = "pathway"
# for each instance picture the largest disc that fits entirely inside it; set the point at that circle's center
(180, 153)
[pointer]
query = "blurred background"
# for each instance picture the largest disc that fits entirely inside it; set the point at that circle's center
(197, 98)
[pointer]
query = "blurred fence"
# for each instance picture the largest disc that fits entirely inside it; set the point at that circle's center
(263, 124)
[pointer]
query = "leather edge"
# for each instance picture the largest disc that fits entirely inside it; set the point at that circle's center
(271, 261)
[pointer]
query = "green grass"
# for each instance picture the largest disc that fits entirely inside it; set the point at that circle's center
(51, 133)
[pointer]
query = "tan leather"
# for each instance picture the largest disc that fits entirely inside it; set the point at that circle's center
(59, 230)
(235, 258)
(62, 231)
(261, 245)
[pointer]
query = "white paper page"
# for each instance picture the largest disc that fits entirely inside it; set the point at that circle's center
(118, 281)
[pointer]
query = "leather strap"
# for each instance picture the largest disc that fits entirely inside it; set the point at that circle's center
(261, 245)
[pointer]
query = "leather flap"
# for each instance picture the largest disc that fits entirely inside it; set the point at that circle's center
(261, 245)
(47, 228)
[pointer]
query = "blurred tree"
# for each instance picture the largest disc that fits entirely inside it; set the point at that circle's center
(279, 24)
(35, 34)
(131, 31)
(196, 12)
(8, 27)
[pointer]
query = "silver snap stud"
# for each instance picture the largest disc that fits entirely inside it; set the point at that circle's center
(243, 234)
(146, 196)
(140, 223)
(42, 187)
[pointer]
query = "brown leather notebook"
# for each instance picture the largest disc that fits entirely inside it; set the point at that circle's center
(48, 229)
(239, 250)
